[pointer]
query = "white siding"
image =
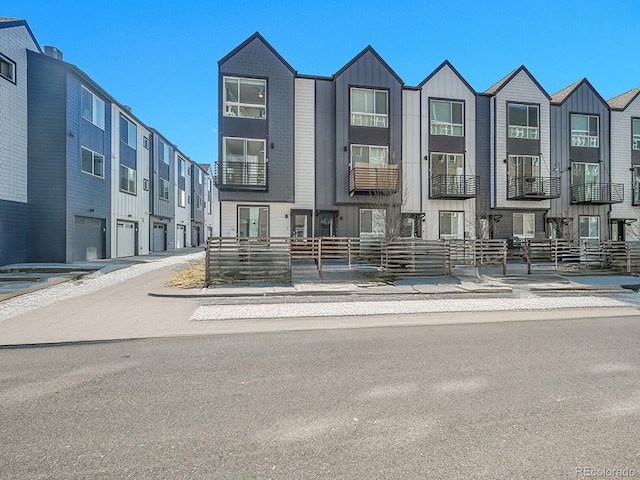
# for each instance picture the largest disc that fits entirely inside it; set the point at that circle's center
(183, 214)
(14, 43)
(124, 206)
(411, 158)
(519, 89)
(446, 84)
(305, 143)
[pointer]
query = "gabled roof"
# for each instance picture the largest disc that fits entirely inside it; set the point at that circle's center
(371, 50)
(206, 167)
(440, 67)
(560, 97)
(621, 102)
(256, 36)
(493, 90)
(6, 22)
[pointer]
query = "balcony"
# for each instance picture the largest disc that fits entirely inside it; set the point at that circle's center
(457, 187)
(597, 193)
(635, 201)
(533, 188)
(234, 175)
(364, 178)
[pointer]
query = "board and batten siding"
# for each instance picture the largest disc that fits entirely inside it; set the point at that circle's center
(304, 142)
(183, 214)
(325, 150)
(446, 84)
(411, 158)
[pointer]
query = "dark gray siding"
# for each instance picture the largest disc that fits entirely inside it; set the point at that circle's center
(46, 173)
(160, 207)
(325, 145)
(503, 228)
(256, 60)
(13, 232)
(483, 153)
(87, 195)
(197, 189)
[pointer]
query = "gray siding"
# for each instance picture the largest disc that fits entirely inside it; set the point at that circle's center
(13, 232)
(325, 145)
(256, 60)
(46, 175)
(503, 228)
(197, 215)
(483, 152)
(161, 207)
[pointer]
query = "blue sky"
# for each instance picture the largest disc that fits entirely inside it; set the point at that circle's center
(160, 57)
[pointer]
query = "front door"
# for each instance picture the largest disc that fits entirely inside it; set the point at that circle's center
(301, 223)
(326, 224)
(617, 230)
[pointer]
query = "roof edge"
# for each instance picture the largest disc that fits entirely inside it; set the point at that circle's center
(257, 36)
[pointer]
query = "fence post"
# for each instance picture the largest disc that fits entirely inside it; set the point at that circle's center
(349, 251)
(627, 249)
(207, 266)
(319, 254)
(504, 258)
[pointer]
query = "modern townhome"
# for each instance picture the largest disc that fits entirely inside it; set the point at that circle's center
(162, 205)
(183, 195)
(16, 39)
(516, 193)
(580, 142)
(449, 178)
(197, 204)
(625, 164)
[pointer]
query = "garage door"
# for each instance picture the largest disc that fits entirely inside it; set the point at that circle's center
(89, 239)
(126, 246)
(180, 236)
(159, 236)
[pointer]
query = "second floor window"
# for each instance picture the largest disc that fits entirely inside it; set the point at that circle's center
(523, 166)
(374, 156)
(245, 97)
(182, 197)
(163, 190)
(7, 69)
(635, 127)
(369, 108)
(92, 108)
(92, 163)
(127, 179)
(523, 121)
(244, 162)
(585, 173)
(585, 131)
(128, 132)
(449, 165)
(447, 118)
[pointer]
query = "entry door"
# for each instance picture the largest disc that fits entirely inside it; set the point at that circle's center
(159, 237)
(126, 246)
(180, 232)
(617, 230)
(326, 224)
(300, 223)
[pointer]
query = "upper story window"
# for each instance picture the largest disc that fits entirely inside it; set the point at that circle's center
(181, 167)
(163, 152)
(447, 118)
(200, 177)
(128, 132)
(369, 154)
(245, 97)
(7, 69)
(585, 131)
(635, 127)
(128, 179)
(92, 163)
(182, 197)
(163, 189)
(447, 164)
(369, 108)
(523, 121)
(92, 108)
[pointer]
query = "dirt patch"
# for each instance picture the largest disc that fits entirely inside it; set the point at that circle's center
(190, 277)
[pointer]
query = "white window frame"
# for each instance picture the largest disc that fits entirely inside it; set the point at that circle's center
(182, 169)
(378, 223)
(163, 152)
(524, 131)
(459, 216)
(163, 189)
(98, 111)
(7, 65)
(131, 184)
(530, 222)
(259, 209)
(590, 219)
(242, 107)
(635, 133)
(131, 133)
(442, 128)
(182, 198)
(582, 138)
(199, 203)
(382, 148)
(375, 119)
(94, 156)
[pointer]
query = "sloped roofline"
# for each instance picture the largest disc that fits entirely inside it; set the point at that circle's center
(256, 36)
(440, 67)
(370, 49)
(629, 102)
(21, 23)
(495, 88)
(575, 87)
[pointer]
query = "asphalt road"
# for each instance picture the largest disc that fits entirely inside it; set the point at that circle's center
(498, 401)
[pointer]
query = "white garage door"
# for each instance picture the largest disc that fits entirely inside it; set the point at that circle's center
(180, 236)
(126, 246)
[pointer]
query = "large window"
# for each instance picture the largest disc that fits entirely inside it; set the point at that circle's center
(182, 197)
(523, 121)
(253, 222)
(589, 228)
(635, 127)
(447, 118)
(524, 225)
(636, 186)
(373, 222)
(7, 69)
(523, 166)
(128, 132)
(245, 97)
(163, 190)
(244, 162)
(584, 173)
(375, 156)
(585, 131)
(92, 108)
(451, 225)
(181, 167)
(127, 179)
(92, 163)
(369, 108)
(447, 164)
(164, 154)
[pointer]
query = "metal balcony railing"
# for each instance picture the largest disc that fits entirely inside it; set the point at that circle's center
(235, 175)
(635, 201)
(365, 179)
(597, 193)
(453, 186)
(533, 188)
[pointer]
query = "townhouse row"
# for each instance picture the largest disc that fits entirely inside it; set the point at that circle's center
(362, 154)
(81, 176)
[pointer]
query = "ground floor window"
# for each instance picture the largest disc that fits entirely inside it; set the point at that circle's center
(253, 222)
(589, 228)
(372, 222)
(524, 225)
(451, 225)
